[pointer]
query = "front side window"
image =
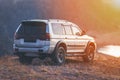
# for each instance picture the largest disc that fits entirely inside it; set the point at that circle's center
(75, 30)
(58, 29)
(68, 30)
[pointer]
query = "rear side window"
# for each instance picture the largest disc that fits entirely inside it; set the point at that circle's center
(58, 29)
(68, 30)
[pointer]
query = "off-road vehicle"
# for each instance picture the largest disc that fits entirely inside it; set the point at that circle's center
(52, 38)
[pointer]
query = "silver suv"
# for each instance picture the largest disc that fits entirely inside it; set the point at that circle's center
(52, 38)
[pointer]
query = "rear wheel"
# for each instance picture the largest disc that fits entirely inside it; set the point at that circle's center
(89, 54)
(59, 56)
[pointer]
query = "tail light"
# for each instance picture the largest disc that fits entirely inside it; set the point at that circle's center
(16, 36)
(47, 36)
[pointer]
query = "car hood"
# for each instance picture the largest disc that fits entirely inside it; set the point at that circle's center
(88, 37)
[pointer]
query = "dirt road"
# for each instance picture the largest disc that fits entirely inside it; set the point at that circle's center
(102, 68)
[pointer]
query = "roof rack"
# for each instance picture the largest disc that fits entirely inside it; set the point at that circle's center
(57, 20)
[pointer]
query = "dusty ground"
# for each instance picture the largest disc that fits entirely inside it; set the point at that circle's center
(102, 68)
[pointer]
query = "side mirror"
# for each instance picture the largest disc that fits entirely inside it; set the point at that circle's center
(78, 34)
(83, 32)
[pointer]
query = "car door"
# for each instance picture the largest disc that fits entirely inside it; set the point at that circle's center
(80, 41)
(69, 38)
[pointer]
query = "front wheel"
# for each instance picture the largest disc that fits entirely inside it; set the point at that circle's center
(59, 56)
(89, 54)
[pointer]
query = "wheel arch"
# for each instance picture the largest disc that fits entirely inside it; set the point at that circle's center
(92, 44)
(61, 43)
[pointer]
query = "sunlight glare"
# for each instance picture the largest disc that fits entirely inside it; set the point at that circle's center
(110, 50)
(114, 3)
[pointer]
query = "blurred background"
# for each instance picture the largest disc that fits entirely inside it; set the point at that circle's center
(100, 18)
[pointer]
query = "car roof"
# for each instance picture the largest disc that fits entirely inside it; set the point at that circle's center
(50, 20)
(46, 21)
(36, 20)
